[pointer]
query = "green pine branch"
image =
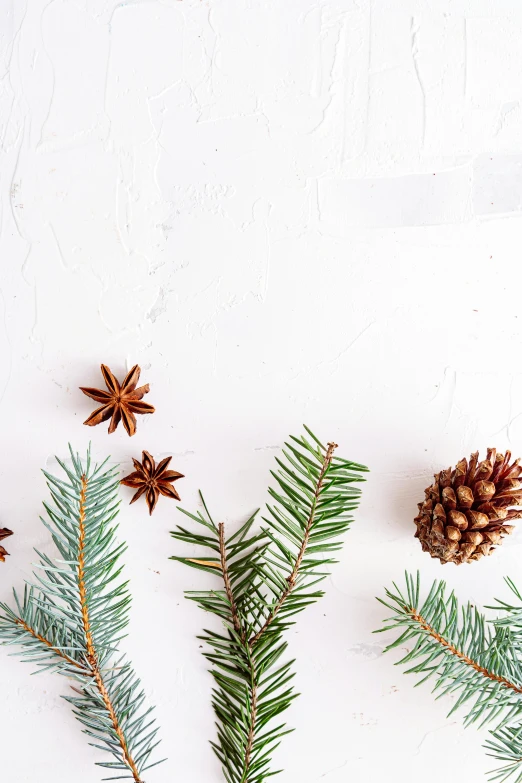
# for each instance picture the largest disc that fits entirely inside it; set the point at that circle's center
(266, 578)
(476, 659)
(72, 618)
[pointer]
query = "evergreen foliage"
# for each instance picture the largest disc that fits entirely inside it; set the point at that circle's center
(267, 577)
(73, 616)
(465, 654)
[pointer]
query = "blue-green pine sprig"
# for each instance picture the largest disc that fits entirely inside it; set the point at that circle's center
(73, 615)
(266, 577)
(477, 659)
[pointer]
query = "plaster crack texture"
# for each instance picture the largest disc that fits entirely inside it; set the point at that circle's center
(287, 212)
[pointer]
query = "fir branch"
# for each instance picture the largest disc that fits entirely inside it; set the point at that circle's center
(72, 618)
(266, 579)
(468, 655)
(92, 655)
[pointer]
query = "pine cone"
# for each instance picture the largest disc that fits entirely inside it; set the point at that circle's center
(467, 510)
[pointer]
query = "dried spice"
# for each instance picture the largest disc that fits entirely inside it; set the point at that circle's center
(152, 480)
(467, 510)
(4, 533)
(120, 402)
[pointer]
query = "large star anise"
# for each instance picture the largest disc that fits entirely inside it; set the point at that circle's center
(4, 533)
(120, 403)
(152, 480)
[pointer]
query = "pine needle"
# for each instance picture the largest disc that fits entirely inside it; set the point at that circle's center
(71, 618)
(267, 577)
(465, 654)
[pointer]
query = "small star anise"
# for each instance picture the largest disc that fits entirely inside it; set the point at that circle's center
(120, 403)
(152, 479)
(4, 533)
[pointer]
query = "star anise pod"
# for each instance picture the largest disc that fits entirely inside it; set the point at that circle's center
(152, 480)
(4, 533)
(120, 402)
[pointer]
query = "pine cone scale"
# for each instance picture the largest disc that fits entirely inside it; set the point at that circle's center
(462, 517)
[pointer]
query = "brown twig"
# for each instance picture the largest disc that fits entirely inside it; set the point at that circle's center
(50, 645)
(462, 656)
(252, 728)
(226, 580)
(237, 627)
(292, 579)
(91, 654)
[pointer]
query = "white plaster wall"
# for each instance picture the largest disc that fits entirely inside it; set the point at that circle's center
(307, 210)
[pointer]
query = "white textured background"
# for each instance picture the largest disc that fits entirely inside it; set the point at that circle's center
(285, 211)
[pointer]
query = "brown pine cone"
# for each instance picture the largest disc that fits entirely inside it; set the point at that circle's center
(468, 510)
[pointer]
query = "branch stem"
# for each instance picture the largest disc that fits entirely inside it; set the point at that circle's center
(50, 645)
(292, 579)
(459, 654)
(226, 580)
(241, 633)
(253, 718)
(91, 653)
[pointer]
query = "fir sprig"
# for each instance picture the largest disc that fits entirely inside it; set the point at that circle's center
(267, 578)
(72, 618)
(475, 658)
